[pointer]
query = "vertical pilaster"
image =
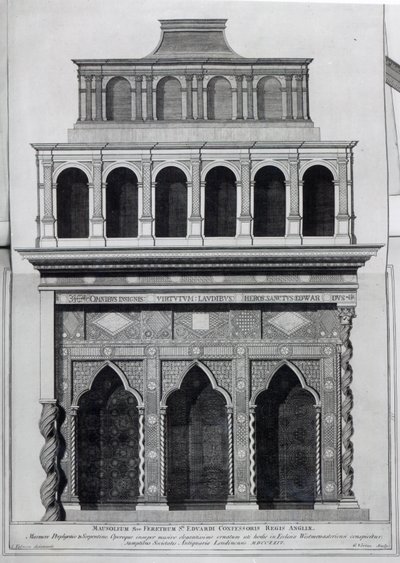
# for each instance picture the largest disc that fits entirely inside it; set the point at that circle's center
(88, 116)
(97, 219)
(249, 90)
(289, 100)
(146, 220)
(244, 220)
(199, 81)
(189, 96)
(342, 231)
(299, 92)
(48, 219)
(81, 93)
(139, 110)
(133, 102)
(195, 219)
(234, 102)
(294, 219)
(98, 97)
(346, 315)
(149, 98)
(239, 87)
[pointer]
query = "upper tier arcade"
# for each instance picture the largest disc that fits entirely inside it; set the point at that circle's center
(193, 75)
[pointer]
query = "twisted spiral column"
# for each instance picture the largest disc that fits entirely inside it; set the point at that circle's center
(346, 315)
(318, 450)
(230, 451)
(48, 460)
(163, 413)
(74, 413)
(252, 447)
(141, 451)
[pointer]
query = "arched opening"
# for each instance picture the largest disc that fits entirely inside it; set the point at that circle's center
(118, 100)
(169, 98)
(108, 450)
(171, 203)
(285, 443)
(269, 99)
(219, 98)
(269, 203)
(122, 203)
(318, 202)
(220, 203)
(197, 444)
(72, 204)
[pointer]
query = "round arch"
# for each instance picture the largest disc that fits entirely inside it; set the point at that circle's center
(174, 164)
(215, 163)
(72, 164)
(280, 79)
(318, 162)
(107, 79)
(122, 164)
(274, 163)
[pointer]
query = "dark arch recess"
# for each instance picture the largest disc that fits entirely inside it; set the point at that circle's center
(122, 203)
(72, 204)
(171, 203)
(318, 202)
(220, 203)
(269, 203)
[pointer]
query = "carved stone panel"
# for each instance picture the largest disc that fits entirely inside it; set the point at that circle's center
(187, 329)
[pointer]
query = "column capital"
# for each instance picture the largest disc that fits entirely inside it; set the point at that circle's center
(346, 314)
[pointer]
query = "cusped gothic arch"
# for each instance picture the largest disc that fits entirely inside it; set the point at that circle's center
(121, 375)
(300, 377)
(208, 373)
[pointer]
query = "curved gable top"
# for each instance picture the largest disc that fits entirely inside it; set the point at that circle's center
(193, 38)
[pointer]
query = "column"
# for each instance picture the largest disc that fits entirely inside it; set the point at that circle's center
(249, 88)
(98, 98)
(284, 100)
(163, 452)
(299, 92)
(289, 100)
(346, 315)
(73, 488)
(234, 102)
(139, 111)
(141, 453)
(154, 94)
(293, 229)
(133, 101)
(239, 87)
(97, 219)
(252, 452)
(199, 80)
(244, 220)
(184, 94)
(231, 487)
(149, 97)
(342, 231)
(88, 98)
(146, 220)
(48, 424)
(189, 96)
(48, 220)
(195, 220)
(318, 453)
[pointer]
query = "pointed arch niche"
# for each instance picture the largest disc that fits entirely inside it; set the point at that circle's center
(198, 443)
(108, 443)
(286, 442)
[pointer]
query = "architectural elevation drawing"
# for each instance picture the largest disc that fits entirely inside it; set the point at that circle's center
(206, 290)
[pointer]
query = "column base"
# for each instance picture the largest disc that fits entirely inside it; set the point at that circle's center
(244, 239)
(152, 506)
(146, 241)
(97, 241)
(326, 505)
(231, 505)
(72, 506)
(348, 502)
(48, 242)
(294, 239)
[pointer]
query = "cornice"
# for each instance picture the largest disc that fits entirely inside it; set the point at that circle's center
(236, 260)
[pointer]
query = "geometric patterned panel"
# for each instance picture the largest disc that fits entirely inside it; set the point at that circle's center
(311, 372)
(261, 371)
(218, 327)
(133, 371)
(70, 325)
(107, 326)
(289, 322)
(156, 325)
(246, 324)
(222, 371)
